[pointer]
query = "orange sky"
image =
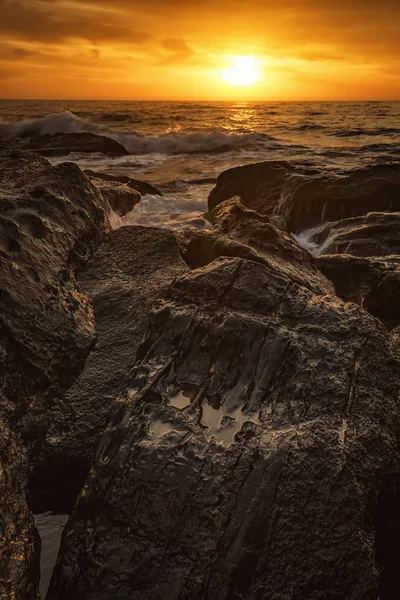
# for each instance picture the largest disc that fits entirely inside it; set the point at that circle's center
(176, 49)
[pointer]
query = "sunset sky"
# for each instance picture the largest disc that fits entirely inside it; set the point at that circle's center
(178, 49)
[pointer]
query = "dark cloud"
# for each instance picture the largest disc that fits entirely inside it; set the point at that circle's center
(43, 23)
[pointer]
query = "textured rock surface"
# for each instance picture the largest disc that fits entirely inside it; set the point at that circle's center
(375, 234)
(244, 233)
(123, 279)
(62, 144)
(140, 186)
(51, 220)
(305, 197)
(246, 457)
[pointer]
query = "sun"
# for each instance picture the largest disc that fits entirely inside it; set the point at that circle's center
(244, 70)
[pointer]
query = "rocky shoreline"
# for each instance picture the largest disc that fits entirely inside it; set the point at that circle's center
(218, 410)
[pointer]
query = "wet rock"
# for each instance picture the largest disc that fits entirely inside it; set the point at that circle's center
(245, 459)
(238, 231)
(305, 196)
(140, 186)
(375, 234)
(123, 279)
(62, 144)
(121, 198)
(51, 220)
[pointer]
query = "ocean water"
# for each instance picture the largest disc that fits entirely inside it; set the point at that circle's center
(183, 146)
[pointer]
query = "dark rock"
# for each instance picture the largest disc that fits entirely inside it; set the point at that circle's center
(140, 186)
(238, 231)
(121, 198)
(373, 283)
(62, 144)
(375, 234)
(123, 279)
(245, 459)
(51, 220)
(306, 196)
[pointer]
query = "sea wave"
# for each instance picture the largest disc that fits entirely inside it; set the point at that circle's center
(171, 142)
(361, 131)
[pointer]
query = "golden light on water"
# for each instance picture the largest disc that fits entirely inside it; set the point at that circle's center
(244, 70)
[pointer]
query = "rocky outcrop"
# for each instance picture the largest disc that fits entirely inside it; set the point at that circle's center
(375, 234)
(62, 144)
(140, 186)
(245, 458)
(123, 279)
(307, 197)
(51, 220)
(238, 231)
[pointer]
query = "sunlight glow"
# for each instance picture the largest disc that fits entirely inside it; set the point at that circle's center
(244, 71)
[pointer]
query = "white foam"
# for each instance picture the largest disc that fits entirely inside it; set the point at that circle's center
(170, 142)
(159, 211)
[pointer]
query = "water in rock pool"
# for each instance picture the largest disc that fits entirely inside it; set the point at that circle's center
(50, 528)
(183, 147)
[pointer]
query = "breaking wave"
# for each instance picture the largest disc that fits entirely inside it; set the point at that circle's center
(173, 142)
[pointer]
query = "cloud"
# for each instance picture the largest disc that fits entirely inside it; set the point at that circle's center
(179, 50)
(41, 22)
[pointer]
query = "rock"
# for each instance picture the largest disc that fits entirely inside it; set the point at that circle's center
(306, 197)
(121, 198)
(246, 458)
(238, 231)
(373, 283)
(375, 234)
(123, 279)
(140, 186)
(62, 144)
(51, 220)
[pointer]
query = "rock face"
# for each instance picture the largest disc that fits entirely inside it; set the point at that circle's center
(121, 198)
(375, 234)
(245, 458)
(307, 197)
(62, 144)
(244, 233)
(140, 186)
(373, 283)
(123, 279)
(51, 220)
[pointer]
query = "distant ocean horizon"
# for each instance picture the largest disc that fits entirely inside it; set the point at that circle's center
(182, 146)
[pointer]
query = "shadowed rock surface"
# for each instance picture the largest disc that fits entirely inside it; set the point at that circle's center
(373, 283)
(246, 457)
(51, 220)
(123, 279)
(375, 234)
(140, 186)
(238, 231)
(62, 144)
(305, 196)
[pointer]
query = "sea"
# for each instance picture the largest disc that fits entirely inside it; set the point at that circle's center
(182, 147)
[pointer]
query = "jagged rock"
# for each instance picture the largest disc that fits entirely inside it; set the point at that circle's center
(51, 220)
(238, 231)
(246, 457)
(305, 196)
(373, 283)
(62, 144)
(123, 279)
(140, 186)
(375, 234)
(121, 198)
